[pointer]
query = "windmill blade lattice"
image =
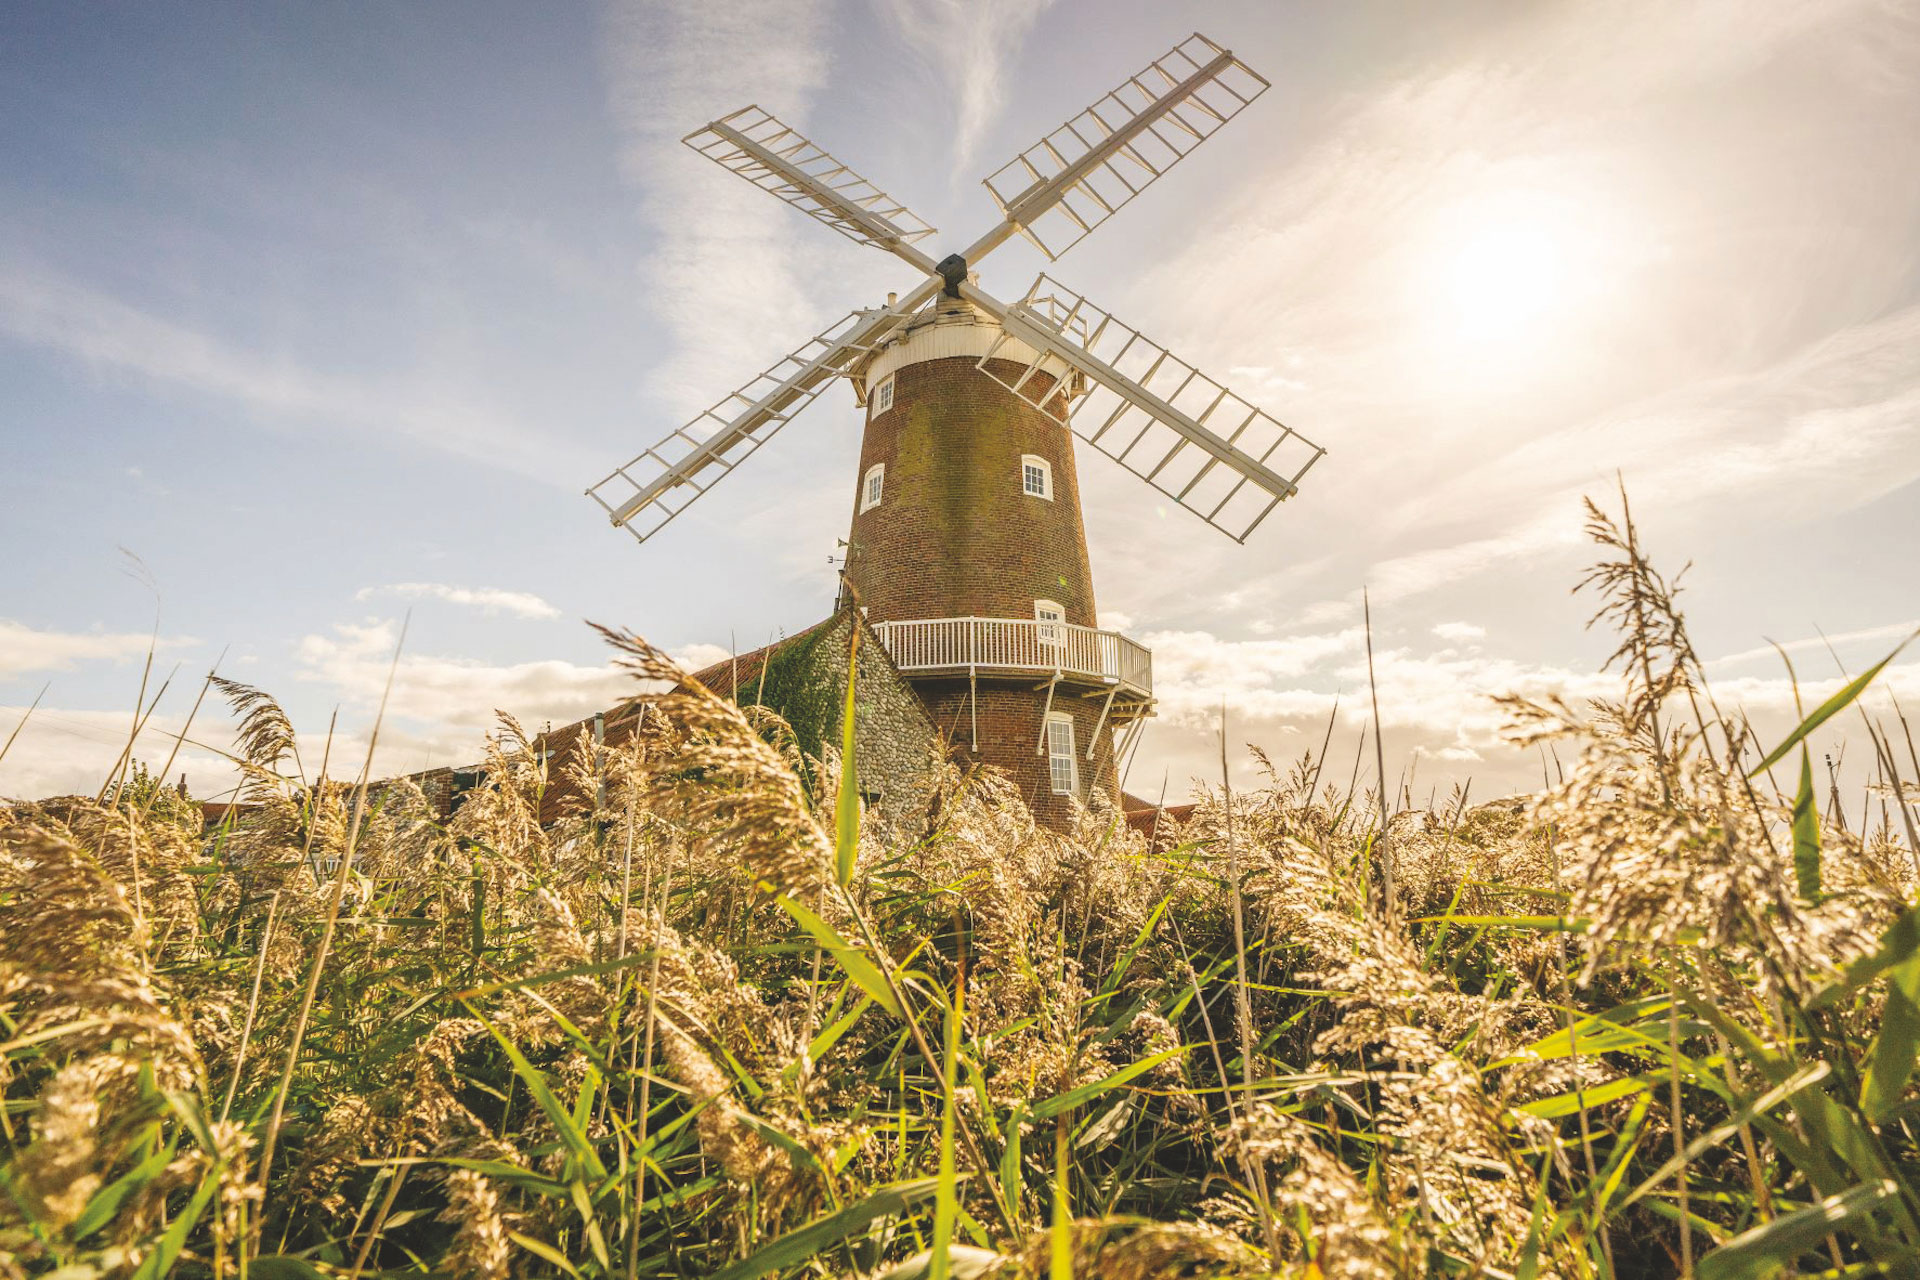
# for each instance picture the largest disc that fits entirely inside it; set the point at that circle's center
(1226, 460)
(772, 156)
(658, 484)
(1078, 176)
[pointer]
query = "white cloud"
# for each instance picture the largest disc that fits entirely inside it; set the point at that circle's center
(698, 657)
(67, 751)
(1459, 631)
(453, 693)
(1713, 337)
(1438, 707)
(489, 600)
(23, 649)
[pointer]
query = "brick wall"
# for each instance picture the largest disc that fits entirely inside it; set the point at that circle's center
(1009, 719)
(896, 748)
(954, 536)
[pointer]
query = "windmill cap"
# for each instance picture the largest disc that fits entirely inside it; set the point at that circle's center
(944, 329)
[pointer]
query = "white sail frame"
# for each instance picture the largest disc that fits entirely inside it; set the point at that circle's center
(1075, 178)
(1188, 436)
(1224, 459)
(644, 494)
(776, 158)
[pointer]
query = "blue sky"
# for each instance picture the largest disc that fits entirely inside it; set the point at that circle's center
(329, 314)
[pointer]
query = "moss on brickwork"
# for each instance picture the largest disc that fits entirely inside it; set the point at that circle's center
(897, 751)
(799, 686)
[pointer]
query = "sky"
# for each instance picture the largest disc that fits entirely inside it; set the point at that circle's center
(316, 321)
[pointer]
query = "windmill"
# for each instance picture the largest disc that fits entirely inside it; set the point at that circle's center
(967, 551)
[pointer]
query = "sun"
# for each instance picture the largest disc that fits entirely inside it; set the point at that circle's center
(1505, 278)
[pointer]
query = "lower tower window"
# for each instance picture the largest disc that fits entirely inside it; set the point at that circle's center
(1063, 770)
(871, 485)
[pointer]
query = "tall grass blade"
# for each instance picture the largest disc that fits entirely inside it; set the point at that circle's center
(1828, 709)
(1891, 1061)
(572, 1135)
(846, 808)
(795, 1247)
(1767, 1249)
(864, 972)
(1806, 834)
(1060, 1103)
(946, 1201)
(1060, 1237)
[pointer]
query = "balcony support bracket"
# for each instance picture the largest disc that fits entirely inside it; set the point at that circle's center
(1040, 747)
(1123, 757)
(1104, 708)
(973, 705)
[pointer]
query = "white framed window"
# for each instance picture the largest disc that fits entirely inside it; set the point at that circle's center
(883, 397)
(1063, 770)
(1036, 476)
(1050, 616)
(871, 486)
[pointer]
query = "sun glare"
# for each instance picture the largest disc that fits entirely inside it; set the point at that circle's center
(1508, 275)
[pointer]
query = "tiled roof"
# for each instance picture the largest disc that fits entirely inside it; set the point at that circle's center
(1150, 819)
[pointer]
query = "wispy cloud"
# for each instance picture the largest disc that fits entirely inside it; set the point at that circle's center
(115, 336)
(489, 600)
(1826, 429)
(720, 274)
(1893, 631)
(968, 43)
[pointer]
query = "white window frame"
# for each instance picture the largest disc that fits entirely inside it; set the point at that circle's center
(873, 486)
(1052, 618)
(882, 398)
(1061, 758)
(1045, 470)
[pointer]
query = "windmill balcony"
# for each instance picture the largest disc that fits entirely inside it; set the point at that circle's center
(1079, 655)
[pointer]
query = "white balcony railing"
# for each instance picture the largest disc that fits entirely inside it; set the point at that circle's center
(1018, 644)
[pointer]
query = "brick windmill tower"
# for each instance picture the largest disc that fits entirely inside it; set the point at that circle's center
(967, 555)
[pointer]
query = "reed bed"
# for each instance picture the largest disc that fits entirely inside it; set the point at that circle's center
(1659, 1019)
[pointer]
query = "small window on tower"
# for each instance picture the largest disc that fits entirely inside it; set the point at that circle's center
(871, 485)
(1050, 616)
(883, 397)
(1062, 769)
(1036, 476)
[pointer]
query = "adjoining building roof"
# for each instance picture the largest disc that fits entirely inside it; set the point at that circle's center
(729, 675)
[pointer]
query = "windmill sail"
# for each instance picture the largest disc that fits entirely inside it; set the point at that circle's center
(770, 155)
(1226, 460)
(1076, 177)
(653, 488)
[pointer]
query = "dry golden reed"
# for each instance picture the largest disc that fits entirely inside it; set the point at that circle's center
(574, 1029)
